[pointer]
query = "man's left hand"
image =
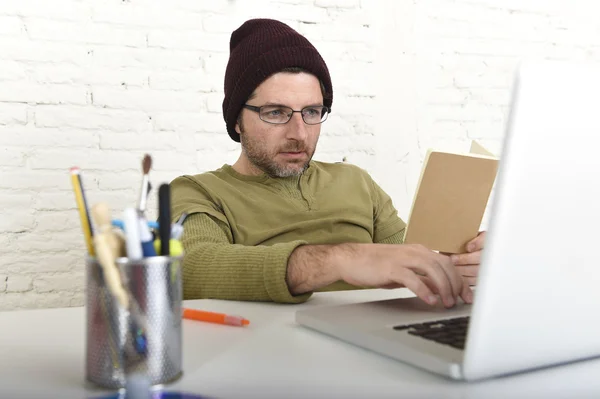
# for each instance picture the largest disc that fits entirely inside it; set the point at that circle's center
(468, 263)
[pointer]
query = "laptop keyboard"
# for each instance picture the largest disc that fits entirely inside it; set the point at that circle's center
(451, 332)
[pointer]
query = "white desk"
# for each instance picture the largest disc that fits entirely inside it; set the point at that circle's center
(42, 356)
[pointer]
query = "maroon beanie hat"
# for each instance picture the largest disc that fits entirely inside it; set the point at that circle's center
(258, 49)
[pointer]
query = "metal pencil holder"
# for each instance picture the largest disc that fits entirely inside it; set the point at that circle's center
(115, 345)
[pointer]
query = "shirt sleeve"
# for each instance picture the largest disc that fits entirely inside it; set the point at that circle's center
(387, 224)
(214, 267)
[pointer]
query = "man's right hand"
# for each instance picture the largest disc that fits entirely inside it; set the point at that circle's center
(424, 272)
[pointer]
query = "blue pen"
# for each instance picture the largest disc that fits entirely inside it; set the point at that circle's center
(119, 223)
(146, 238)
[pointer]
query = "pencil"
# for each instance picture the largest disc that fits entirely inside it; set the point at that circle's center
(211, 317)
(84, 214)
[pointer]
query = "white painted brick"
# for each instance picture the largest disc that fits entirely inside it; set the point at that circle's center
(50, 200)
(337, 3)
(84, 32)
(71, 10)
(25, 92)
(207, 161)
(121, 77)
(147, 99)
(17, 222)
(30, 262)
(467, 112)
(214, 102)
(35, 180)
(192, 80)
(337, 126)
(306, 13)
(452, 96)
(155, 58)
(189, 121)
(210, 143)
(19, 49)
(126, 180)
(34, 300)
(214, 65)
(333, 51)
(289, 1)
(3, 278)
(337, 32)
(56, 242)
(193, 5)
(10, 199)
(11, 114)
(12, 70)
(10, 26)
(117, 199)
(490, 96)
(464, 79)
(91, 118)
(19, 283)
(180, 141)
(12, 156)
(484, 128)
(47, 137)
(53, 221)
(223, 24)
(59, 282)
(190, 40)
(130, 14)
(443, 128)
(346, 105)
(467, 11)
(63, 159)
(174, 161)
(6, 245)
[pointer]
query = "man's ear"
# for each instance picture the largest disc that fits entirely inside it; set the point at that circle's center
(237, 128)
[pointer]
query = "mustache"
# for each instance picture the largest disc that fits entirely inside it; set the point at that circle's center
(294, 148)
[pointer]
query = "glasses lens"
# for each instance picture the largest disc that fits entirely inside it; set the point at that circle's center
(275, 113)
(314, 115)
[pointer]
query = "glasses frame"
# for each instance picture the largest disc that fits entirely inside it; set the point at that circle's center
(257, 109)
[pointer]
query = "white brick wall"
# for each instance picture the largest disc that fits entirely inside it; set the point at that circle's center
(99, 83)
(449, 81)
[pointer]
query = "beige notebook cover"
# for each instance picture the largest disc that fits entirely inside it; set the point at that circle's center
(451, 198)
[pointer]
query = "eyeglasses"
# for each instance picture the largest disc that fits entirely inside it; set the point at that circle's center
(280, 114)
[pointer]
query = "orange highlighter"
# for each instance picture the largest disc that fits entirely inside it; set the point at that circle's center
(211, 317)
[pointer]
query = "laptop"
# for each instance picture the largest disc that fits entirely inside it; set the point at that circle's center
(537, 300)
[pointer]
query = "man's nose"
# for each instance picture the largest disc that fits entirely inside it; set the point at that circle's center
(297, 127)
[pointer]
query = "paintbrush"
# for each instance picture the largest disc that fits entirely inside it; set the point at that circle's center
(146, 166)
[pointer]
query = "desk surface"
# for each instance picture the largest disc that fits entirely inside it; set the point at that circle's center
(42, 356)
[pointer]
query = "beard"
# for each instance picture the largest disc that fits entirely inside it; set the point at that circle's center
(259, 156)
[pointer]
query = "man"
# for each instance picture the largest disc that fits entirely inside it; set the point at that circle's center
(278, 226)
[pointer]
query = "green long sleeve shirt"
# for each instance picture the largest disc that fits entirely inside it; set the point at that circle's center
(242, 229)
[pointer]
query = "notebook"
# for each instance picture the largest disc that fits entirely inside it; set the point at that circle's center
(451, 198)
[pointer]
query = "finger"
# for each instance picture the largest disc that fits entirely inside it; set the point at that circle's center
(430, 265)
(473, 258)
(476, 244)
(392, 286)
(430, 284)
(470, 280)
(468, 270)
(454, 277)
(466, 293)
(411, 281)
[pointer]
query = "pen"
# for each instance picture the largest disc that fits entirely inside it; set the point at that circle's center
(119, 223)
(84, 214)
(164, 218)
(211, 317)
(132, 234)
